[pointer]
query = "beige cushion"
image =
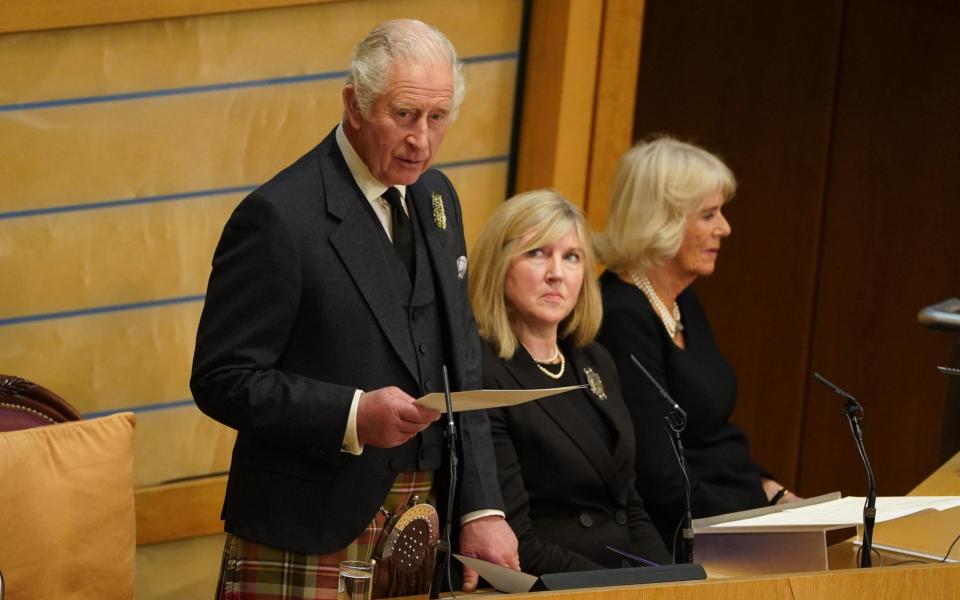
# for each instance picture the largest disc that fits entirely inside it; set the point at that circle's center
(66, 498)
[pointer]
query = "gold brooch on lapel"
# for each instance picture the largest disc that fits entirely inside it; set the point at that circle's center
(439, 217)
(595, 383)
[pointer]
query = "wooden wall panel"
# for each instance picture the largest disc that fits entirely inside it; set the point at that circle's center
(155, 130)
(753, 81)
(563, 51)
(36, 15)
(891, 244)
(615, 101)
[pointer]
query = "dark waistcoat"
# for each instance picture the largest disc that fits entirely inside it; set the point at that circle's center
(423, 452)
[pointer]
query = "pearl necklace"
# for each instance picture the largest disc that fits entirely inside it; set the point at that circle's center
(563, 364)
(670, 319)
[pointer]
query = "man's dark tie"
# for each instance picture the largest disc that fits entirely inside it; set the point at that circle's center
(402, 231)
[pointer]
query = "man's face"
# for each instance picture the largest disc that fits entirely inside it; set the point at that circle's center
(406, 123)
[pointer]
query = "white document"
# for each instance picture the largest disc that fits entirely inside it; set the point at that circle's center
(844, 512)
(502, 579)
(481, 399)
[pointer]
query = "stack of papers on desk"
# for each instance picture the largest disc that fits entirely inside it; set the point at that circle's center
(840, 512)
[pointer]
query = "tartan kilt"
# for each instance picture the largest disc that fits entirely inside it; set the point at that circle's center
(251, 571)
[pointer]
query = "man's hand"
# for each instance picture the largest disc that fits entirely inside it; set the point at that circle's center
(491, 539)
(388, 417)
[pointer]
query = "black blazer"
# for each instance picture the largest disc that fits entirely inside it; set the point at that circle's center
(300, 311)
(723, 476)
(567, 495)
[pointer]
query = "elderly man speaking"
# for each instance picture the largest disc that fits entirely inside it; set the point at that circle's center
(337, 295)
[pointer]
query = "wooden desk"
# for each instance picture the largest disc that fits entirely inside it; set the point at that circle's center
(929, 582)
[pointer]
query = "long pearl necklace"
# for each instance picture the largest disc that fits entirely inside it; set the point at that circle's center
(670, 319)
(556, 354)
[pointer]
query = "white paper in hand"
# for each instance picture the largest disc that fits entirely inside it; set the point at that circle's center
(502, 579)
(481, 399)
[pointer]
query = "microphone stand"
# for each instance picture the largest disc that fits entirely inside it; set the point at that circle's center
(676, 422)
(450, 433)
(854, 413)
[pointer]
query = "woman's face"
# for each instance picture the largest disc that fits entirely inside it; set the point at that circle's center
(543, 284)
(706, 227)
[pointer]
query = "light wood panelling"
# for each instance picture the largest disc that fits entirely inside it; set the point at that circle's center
(579, 98)
(179, 510)
(558, 99)
(107, 257)
(480, 188)
(203, 446)
(930, 582)
(220, 49)
(186, 143)
(128, 144)
(109, 361)
(616, 95)
(179, 570)
(945, 481)
(32, 15)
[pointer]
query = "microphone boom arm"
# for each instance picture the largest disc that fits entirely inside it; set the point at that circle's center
(854, 414)
(676, 422)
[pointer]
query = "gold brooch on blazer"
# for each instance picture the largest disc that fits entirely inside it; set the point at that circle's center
(595, 383)
(439, 217)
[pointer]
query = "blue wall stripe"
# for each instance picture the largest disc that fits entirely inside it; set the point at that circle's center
(197, 194)
(32, 212)
(215, 87)
(98, 310)
(471, 162)
(193, 89)
(141, 409)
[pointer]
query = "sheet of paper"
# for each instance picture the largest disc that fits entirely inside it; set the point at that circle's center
(481, 399)
(846, 511)
(705, 523)
(502, 579)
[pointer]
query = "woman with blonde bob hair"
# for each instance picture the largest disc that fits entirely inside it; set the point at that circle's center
(656, 187)
(665, 228)
(503, 239)
(538, 308)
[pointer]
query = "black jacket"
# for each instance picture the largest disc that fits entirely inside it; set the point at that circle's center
(567, 495)
(723, 476)
(300, 312)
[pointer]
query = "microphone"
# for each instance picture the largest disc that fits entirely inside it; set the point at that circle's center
(854, 412)
(682, 414)
(676, 422)
(450, 432)
(836, 389)
(451, 424)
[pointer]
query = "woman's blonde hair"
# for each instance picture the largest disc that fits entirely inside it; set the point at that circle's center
(506, 236)
(658, 183)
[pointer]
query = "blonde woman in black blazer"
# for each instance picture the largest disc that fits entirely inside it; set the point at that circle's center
(665, 231)
(565, 463)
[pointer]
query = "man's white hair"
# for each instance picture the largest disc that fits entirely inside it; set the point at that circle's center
(400, 40)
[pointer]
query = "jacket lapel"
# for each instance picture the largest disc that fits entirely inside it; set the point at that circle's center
(615, 415)
(351, 240)
(566, 416)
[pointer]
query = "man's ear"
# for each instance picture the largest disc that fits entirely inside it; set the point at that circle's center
(351, 107)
